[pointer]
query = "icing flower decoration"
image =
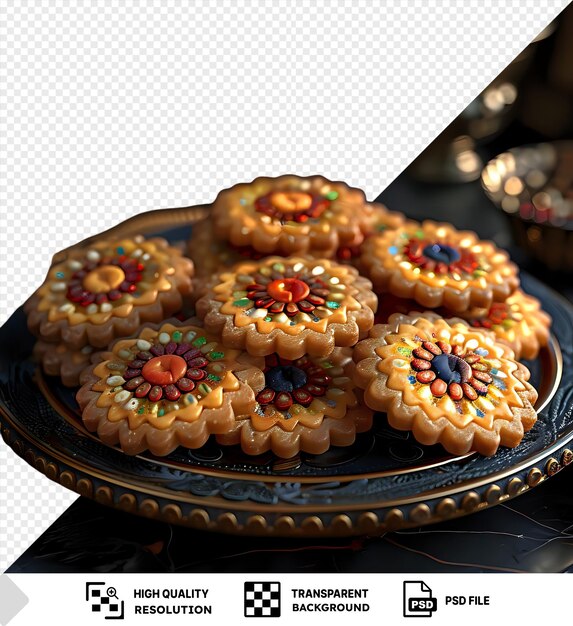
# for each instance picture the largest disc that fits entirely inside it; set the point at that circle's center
(170, 386)
(292, 215)
(446, 383)
(107, 290)
(306, 405)
(437, 265)
(519, 322)
(289, 306)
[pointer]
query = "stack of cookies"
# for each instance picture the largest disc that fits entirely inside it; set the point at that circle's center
(314, 310)
(100, 292)
(432, 266)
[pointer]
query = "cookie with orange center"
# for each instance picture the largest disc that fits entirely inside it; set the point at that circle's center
(519, 322)
(437, 265)
(305, 405)
(447, 383)
(293, 307)
(108, 289)
(292, 215)
(173, 385)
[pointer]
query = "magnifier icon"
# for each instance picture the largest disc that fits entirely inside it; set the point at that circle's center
(112, 593)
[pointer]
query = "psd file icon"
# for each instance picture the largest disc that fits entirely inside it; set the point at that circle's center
(418, 599)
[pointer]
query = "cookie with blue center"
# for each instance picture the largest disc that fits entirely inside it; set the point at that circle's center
(437, 265)
(446, 382)
(306, 404)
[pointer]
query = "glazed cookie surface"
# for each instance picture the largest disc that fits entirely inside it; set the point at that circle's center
(290, 306)
(382, 220)
(173, 385)
(210, 254)
(519, 322)
(292, 215)
(107, 290)
(447, 383)
(305, 405)
(437, 265)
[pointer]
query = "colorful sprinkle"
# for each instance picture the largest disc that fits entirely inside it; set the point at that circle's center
(200, 341)
(332, 305)
(242, 302)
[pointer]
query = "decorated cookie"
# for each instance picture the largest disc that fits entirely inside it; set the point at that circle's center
(519, 322)
(107, 290)
(171, 386)
(293, 307)
(305, 405)
(437, 265)
(382, 220)
(447, 383)
(292, 215)
(59, 360)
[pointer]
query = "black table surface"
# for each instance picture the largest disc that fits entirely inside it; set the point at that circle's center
(531, 533)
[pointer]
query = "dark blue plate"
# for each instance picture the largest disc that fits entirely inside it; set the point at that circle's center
(385, 480)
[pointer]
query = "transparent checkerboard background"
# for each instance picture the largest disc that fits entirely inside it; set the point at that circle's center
(262, 600)
(111, 108)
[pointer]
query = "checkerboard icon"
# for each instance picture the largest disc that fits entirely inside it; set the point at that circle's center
(262, 599)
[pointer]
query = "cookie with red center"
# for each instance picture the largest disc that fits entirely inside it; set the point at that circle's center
(292, 215)
(173, 385)
(305, 405)
(446, 382)
(293, 307)
(519, 322)
(107, 289)
(437, 265)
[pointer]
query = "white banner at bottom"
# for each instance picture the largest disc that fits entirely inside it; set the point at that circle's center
(333, 599)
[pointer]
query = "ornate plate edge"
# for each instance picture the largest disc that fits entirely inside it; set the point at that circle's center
(297, 524)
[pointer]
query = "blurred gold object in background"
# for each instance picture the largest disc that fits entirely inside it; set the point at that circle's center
(533, 185)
